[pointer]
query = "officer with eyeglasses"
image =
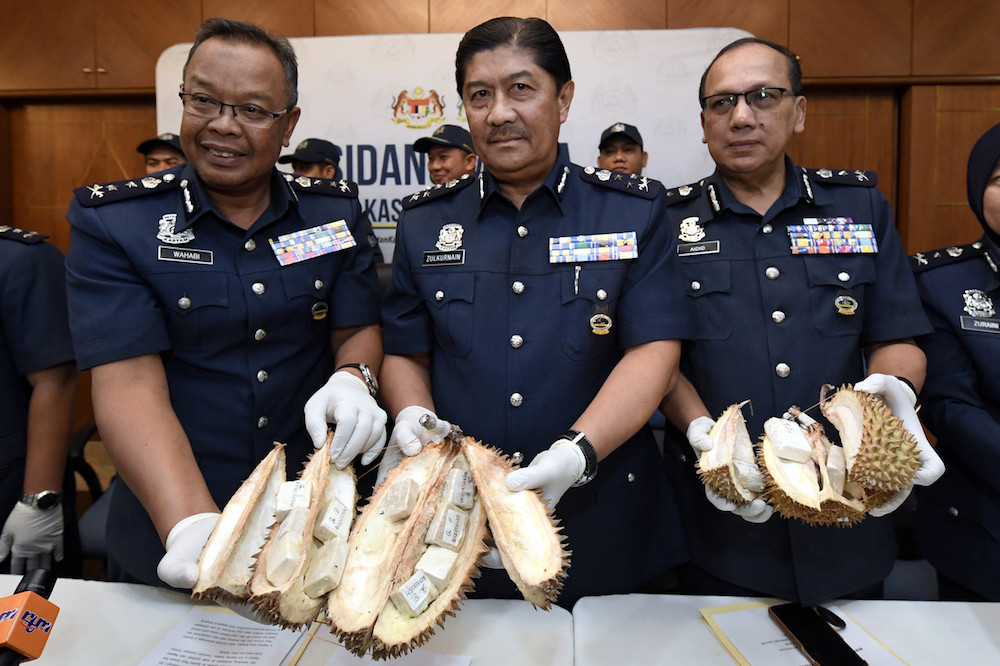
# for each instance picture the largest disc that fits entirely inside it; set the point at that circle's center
(217, 301)
(798, 279)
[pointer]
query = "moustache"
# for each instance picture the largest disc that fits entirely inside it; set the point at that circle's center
(506, 132)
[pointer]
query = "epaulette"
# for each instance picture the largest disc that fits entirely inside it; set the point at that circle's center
(436, 191)
(922, 261)
(843, 177)
(684, 192)
(13, 233)
(120, 190)
(337, 188)
(641, 186)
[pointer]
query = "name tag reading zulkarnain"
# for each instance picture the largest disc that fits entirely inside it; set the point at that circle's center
(819, 236)
(314, 242)
(594, 247)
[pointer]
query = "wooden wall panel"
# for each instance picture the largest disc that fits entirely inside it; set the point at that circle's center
(850, 129)
(764, 18)
(128, 49)
(461, 15)
(948, 42)
(46, 44)
(608, 14)
(851, 37)
(372, 17)
(290, 19)
(940, 124)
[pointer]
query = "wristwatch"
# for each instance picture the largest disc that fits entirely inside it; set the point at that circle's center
(366, 374)
(45, 499)
(589, 455)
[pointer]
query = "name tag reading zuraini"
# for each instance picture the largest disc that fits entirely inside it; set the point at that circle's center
(595, 247)
(311, 243)
(818, 236)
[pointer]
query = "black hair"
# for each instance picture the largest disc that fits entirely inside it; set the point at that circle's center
(530, 34)
(248, 33)
(794, 69)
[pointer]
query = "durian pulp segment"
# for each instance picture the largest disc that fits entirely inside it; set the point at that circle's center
(378, 544)
(226, 562)
(729, 468)
(395, 633)
(846, 412)
(522, 526)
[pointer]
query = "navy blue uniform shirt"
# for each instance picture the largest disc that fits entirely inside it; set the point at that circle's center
(958, 517)
(769, 328)
(517, 356)
(154, 269)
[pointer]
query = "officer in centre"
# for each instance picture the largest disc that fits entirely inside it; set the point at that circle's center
(781, 310)
(221, 306)
(532, 307)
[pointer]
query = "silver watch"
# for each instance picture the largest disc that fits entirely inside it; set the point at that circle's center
(366, 374)
(44, 500)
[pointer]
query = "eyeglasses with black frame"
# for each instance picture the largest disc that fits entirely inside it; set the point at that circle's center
(249, 115)
(758, 99)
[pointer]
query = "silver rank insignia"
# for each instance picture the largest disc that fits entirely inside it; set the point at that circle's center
(166, 231)
(150, 183)
(450, 237)
(978, 304)
(691, 231)
(603, 175)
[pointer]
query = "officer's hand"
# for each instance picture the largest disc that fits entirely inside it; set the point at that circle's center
(552, 471)
(359, 422)
(186, 540)
(697, 434)
(757, 511)
(900, 399)
(33, 537)
(893, 503)
(409, 437)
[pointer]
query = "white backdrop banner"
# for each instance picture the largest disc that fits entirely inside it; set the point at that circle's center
(374, 95)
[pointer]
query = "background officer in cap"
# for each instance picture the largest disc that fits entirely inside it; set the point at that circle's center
(38, 391)
(314, 158)
(958, 518)
(162, 152)
(774, 326)
(621, 150)
(208, 325)
(556, 356)
(450, 154)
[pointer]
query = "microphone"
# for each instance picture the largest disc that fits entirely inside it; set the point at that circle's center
(26, 618)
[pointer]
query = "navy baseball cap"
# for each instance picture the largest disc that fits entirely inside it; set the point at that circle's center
(168, 139)
(313, 151)
(452, 136)
(620, 129)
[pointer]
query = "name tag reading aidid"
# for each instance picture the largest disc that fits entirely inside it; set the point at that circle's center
(314, 242)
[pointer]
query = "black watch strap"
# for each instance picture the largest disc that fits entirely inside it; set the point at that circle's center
(366, 374)
(589, 455)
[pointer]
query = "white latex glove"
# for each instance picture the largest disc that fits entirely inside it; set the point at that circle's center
(552, 471)
(757, 511)
(33, 537)
(900, 399)
(491, 558)
(409, 437)
(186, 540)
(360, 423)
(697, 434)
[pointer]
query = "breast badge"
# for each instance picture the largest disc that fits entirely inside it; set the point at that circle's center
(978, 304)
(166, 233)
(691, 231)
(450, 237)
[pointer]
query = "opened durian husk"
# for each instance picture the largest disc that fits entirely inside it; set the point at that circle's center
(380, 552)
(396, 633)
(882, 457)
(523, 528)
(285, 602)
(730, 468)
(796, 464)
(226, 563)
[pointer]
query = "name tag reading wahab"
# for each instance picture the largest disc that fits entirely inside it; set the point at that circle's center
(593, 247)
(185, 255)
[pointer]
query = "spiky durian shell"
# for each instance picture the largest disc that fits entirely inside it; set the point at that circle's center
(716, 467)
(531, 546)
(226, 563)
(882, 456)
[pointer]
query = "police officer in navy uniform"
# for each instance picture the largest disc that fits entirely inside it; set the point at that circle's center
(958, 518)
(531, 306)
(163, 151)
(38, 391)
(778, 315)
(316, 158)
(213, 301)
